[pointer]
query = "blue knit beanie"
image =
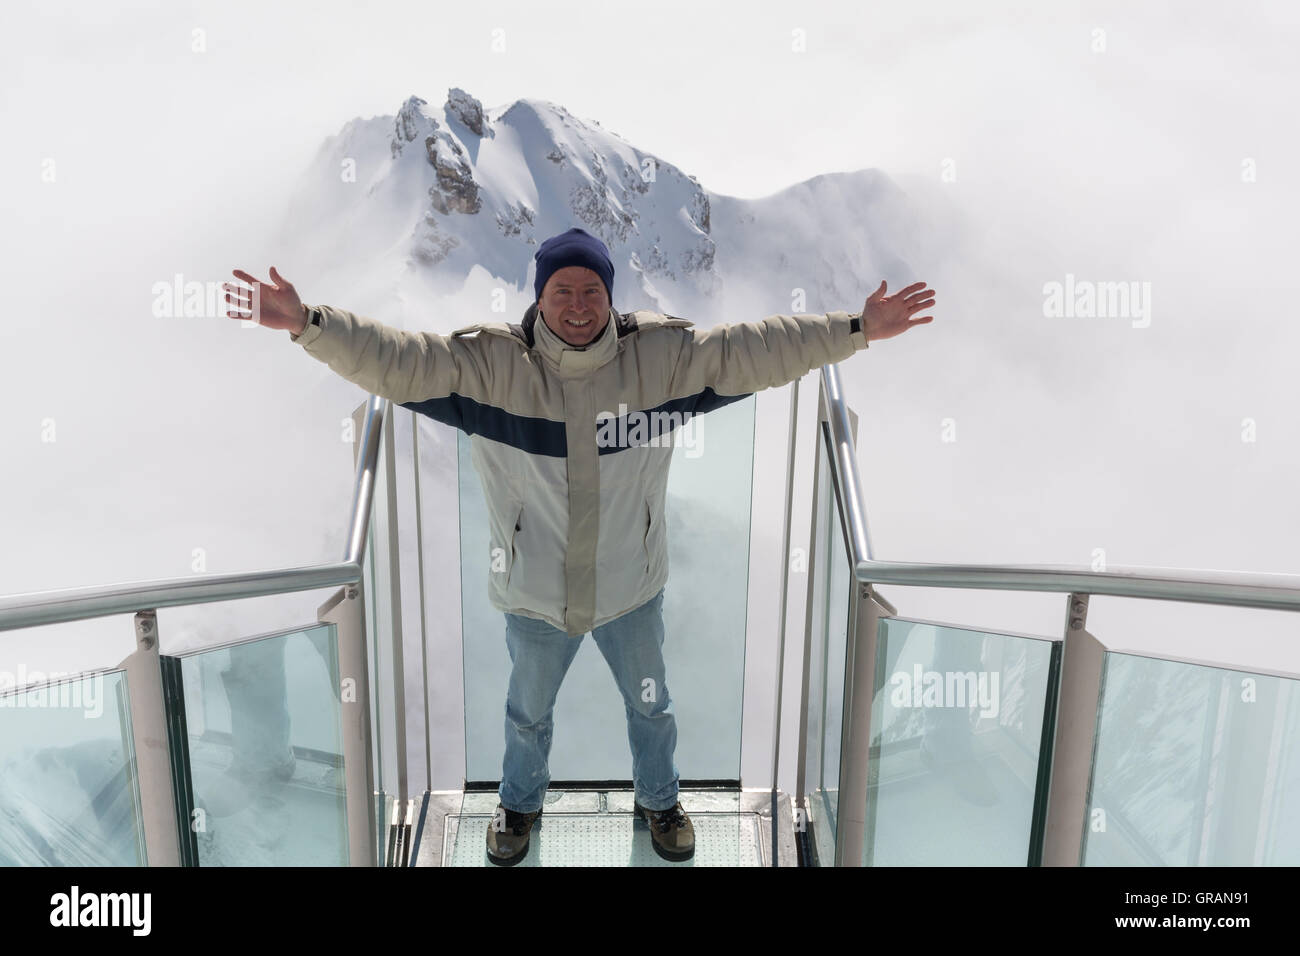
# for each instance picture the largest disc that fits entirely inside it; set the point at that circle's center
(573, 248)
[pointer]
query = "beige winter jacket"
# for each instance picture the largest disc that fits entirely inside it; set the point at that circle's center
(573, 444)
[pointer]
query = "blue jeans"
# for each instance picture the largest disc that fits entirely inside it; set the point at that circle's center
(632, 645)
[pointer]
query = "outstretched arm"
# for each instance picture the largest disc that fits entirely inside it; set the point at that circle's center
(749, 356)
(391, 363)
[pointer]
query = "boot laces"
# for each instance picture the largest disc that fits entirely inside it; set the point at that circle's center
(516, 822)
(670, 818)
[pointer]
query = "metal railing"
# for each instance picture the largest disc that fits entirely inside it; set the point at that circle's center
(1273, 591)
(1077, 708)
(148, 717)
(73, 604)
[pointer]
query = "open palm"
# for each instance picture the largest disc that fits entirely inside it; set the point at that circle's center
(885, 316)
(274, 304)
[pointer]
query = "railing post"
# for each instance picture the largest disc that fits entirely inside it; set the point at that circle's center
(394, 599)
(855, 734)
(780, 634)
(805, 687)
(153, 765)
(1076, 726)
(346, 610)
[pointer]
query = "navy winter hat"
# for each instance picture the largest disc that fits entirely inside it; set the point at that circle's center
(573, 248)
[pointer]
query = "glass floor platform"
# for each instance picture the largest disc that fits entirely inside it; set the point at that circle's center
(596, 827)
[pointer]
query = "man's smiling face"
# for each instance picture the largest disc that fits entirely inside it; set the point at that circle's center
(575, 305)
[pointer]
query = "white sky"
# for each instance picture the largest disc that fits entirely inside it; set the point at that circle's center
(1122, 164)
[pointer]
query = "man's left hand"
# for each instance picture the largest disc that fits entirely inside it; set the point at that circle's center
(884, 316)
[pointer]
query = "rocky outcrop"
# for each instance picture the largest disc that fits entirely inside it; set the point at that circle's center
(432, 245)
(456, 190)
(516, 216)
(466, 109)
(412, 122)
(699, 207)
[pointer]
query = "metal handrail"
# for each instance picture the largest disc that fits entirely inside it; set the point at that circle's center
(845, 462)
(363, 488)
(1243, 589)
(37, 608)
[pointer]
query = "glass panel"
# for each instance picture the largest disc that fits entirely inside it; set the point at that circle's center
(703, 612)
(830, 608)
(957, 727)
(1194, 766)
(265, 734)
(68, 789)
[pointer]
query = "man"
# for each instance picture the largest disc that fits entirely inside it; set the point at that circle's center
(575, 498)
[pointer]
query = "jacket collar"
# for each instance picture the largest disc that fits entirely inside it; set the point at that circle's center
(570, 359)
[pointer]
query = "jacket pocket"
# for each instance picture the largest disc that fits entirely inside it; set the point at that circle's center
(655, 544)
(513, 531)
(505, 547)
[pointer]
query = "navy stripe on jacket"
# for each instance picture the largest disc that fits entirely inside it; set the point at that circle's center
(542, 436)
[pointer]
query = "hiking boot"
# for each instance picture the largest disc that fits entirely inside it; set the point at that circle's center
(671, 833)
(507, 835)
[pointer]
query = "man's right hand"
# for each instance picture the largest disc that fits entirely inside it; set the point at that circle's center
(278, 305)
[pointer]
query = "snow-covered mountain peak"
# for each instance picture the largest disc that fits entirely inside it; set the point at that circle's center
(448, 189)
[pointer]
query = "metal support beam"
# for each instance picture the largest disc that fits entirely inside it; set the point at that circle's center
(780, 634)
(394, 599)
(1076, 724)
(153, 767)
(855, 735)
(346, 610)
